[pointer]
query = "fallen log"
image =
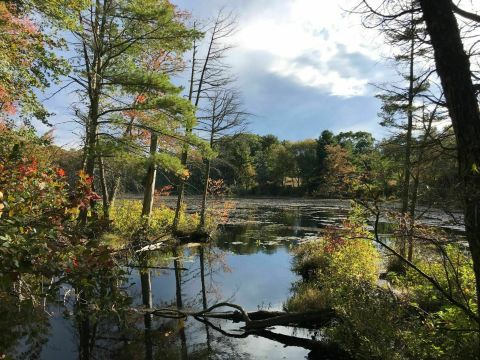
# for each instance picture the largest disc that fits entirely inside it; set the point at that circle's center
(263, 319)
(155, 267)
(312, 318)
(255, 320)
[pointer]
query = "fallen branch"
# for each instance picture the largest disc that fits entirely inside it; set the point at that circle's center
(155, 267)
(255, 320)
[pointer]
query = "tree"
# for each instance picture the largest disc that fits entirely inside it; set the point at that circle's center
(325, 139)
(305, 157)
(206, 74)
(270, 171)
(400, 104)
(235, 162)
(224, 116)
(113, 41)
(27, 57)
(339, 170)
(453, 67)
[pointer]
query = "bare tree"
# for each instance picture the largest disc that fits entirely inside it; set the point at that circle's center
(207, 74)
(222, 117)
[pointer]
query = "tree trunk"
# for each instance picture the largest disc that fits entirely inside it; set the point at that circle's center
(414, 197)
(188, 131)
(181, 191)
(90, 151)
(204, 291)
(114, 190)
(408, 144)
(149, 192)
(103, 184)
(205, 194)
(453, 67)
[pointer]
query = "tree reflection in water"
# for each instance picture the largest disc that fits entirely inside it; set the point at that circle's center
(102, 307)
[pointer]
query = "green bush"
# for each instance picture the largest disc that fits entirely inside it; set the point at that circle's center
(126, 216)
(411, 321)
(339, 257)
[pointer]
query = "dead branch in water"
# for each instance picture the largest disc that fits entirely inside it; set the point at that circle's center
(255, 320)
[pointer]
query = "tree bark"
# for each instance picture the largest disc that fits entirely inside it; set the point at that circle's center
(204, 291)
(181, 192)
(90, 150)
(94, 93)
(408, 143)
(112, 195)
(147, 299)
(205, 194)
(453, 67)
(416, 182)
(188, 131)
(150, 179)
(191, 96)
(103, 184)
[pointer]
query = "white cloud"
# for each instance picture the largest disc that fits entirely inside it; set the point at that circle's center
(297, 28)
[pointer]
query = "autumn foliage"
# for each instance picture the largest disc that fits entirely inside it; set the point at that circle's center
(38, 208)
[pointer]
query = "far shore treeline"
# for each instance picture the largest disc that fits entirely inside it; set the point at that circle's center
(255, 165)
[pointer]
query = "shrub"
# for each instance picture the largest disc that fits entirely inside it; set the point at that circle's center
(340, 272)
(38, 210)
(128, 223)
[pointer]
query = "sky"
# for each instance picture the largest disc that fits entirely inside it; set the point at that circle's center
(303, 66)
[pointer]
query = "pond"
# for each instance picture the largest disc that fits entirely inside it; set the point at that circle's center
(247, 263)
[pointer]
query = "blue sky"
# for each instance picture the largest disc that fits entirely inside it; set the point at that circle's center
(303, 66)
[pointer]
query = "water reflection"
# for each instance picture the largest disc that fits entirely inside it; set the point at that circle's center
(91, 316)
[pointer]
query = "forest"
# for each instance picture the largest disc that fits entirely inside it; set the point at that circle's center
(173, 228)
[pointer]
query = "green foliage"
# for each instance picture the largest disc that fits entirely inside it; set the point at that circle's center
(335, 262)
(412, 320)
(28, 62)
(453, 270)
(128, 223)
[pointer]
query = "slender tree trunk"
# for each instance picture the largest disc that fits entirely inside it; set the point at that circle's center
(90, 151)
(114, 190)
(149, 192)
(408, 144)
(414, 197)
(181, 192)
(103, 184)
(453, 67)
(188, 131)
(202, 277)
(95, 78)
(205, 194)
(145, 278)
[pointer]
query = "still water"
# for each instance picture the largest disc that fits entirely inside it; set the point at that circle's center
(247, 263)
